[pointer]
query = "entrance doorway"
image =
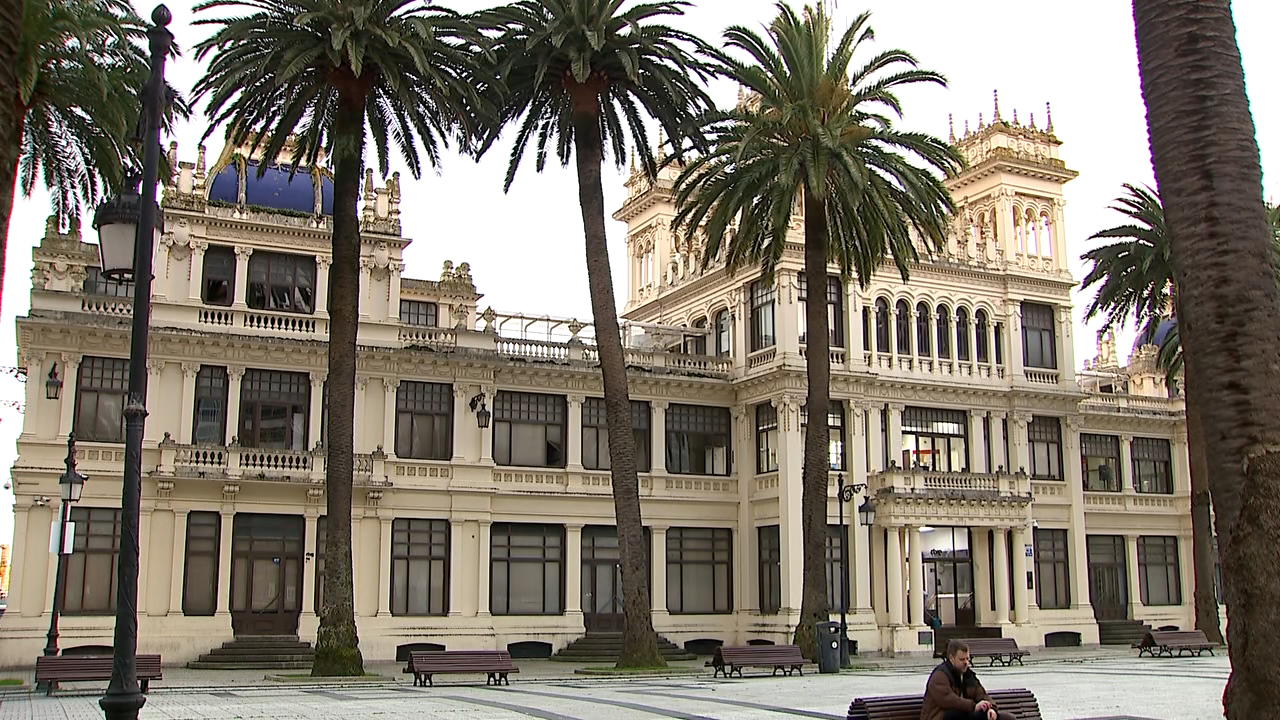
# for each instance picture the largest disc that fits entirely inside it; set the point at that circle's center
(1108, 577)
(266, 574)
(602, 578)
(948, 577)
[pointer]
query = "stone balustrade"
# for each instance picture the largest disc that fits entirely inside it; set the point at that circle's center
(925, 482)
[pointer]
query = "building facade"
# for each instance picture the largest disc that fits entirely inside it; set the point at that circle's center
(1013, 493)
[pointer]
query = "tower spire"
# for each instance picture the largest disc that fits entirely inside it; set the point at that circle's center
(1049, 121)
(996, 117)
(951, 127)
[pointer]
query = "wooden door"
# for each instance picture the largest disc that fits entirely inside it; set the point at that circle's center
(601, 580)
(1108, 577)
(266, 574)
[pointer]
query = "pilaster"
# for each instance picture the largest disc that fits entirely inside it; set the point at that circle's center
(574, 431)
(658, 563)
(195, 285)
(390, 386)
(573, 571)
(235, 381)
(70, 381)
(177, 577)
(893, 574)
(316, 415)
(243, 253)
(224, 562)
(1019, 540)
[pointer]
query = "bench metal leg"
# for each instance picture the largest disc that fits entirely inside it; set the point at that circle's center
(737, 669)
(799, 669)
(717, 671)
(144, 686)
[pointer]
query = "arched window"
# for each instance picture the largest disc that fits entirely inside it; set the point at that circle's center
(904, 328)
(1032, 232)
(1019, 232)
(724, 334)
(882, 325)
(962, 334)
(924, 328)
(696, 343)
(1046, 234)
(980, 329)
(944, 332)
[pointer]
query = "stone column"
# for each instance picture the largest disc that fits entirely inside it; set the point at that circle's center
(366, 281)
(309, 542)
(859, 534)
(322, 284)
(573, 571)
(893, 335)
(990, 332)
(34, 393)
(893, 575)
(878, 575)
(177, 574)
(359, 441)
(1019, 539)
(243, 254)
(875, 437)
(187, 417)
(977, 442)
(917, 577)
(658, 564)
(1000, 568)
(485, 566)
(1180, 464)
(195, 287)
(70, 379)
(972, 330)
(1128, 478)
(978, 555)
(1066, 352)
(999, 449)
(895, 433)
(160, 261)
(393, 293)
(235, 379)
(1020, 453)
(1013, 342)
(658, 422)
(224, 562)
(857, 355)
(144, 560)
(152, 432)
(1077, 534)
(389, 386)
(1135, 583)
(316, 415)
(17, 559)
(790, 491)
(462, 433)
(38, 575)
(486, 437)
(574, 431)
(457, 559)
(384, 563)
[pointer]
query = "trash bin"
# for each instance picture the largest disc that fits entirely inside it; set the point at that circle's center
(829, 647)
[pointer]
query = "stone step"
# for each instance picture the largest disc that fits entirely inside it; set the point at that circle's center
(232, 649)
(281, 665)
(243, 660)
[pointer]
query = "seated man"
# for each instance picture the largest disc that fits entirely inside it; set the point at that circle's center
(954, 693)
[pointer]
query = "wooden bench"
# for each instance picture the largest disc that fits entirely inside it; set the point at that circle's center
(1020, 703)
(729, 660)
(495, 664)
(1156, 643)
(54, 669)
(1003, 650)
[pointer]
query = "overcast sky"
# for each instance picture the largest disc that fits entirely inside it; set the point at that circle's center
(526, 247)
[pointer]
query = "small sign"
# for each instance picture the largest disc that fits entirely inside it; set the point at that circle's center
(68, 541)
(1030, 551)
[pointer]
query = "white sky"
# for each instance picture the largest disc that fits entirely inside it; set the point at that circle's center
(526, 248)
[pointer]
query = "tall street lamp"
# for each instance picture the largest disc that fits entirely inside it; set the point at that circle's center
(867, 516)
(134, 218)
(72, 484)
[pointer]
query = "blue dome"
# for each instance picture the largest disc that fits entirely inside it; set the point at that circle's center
(1157, 336)
(273, 190)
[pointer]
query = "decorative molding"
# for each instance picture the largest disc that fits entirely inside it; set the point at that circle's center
(190, 369)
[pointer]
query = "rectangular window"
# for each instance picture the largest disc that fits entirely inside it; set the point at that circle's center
(420, 313)
(935, 439)
(766, 438)
(1159, 579)
(1100, 461)
(770, 550)
(1152, 468)
(837, 587)
(1044, 436)
(209, 426)
(282, 282)
(835, 310)
(1039, 346)
(95, 283)
(835, 432)
(419, 566)
(762, 331)
(699, 570)
(424, 420)
(527, 569)
(698, 440)
(218, 281)
(997, 334)
(529, 429)
(100, 396)
(724, 334)
(200, 589)
(274, 409)
(595, 435)
(90, 587)
(1053, 590)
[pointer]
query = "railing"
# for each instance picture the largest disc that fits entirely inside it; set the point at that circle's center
(760, 358)
(699, 363)
(261, 321)
(928, 366)
(959, 483)
(1041, 377)
(837, 355)
(234, 461)
(1107, 401)
(533, 349)
(107, 305)
(1132, 501)
(434, 338)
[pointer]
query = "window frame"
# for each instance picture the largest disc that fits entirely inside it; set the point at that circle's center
(764, 329)
(769, 553)
(837, 583)
(1152, 465)
(103, 377)
(203, 545)
(408, 552)
(1039, 336)
(837, 442)
(595, 435)
(1093, 449)
(544, 531)
(1045, 430)
(724, 334)
(705, 424)
(253, 400)
(1052, 566)
(767, 438)
(835, 309)
(924, 431)
(417, 401)
(512, 408)
(1158, 558)
(221, 270)
(262, 294)
(213, 386)
(710, 550)
(95, 283)
(419, 313)
(78, 563)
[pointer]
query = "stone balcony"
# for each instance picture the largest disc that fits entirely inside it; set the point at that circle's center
(961, 499)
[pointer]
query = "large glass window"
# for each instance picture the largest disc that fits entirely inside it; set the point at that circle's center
(209, 426)
(944, 332)
(766, 438)
(698, 440)
(962, 334)
(1159, 579)
(724, 334)
(770, 551)
(419, 566)
(835, 432)
(1044, 436)
(595, 435)
(1152, 469)
(90, 587)
(424, 420)
(699, 570)
(882, 325)
(903, 331)
(1039, 347)
(836, 585)
(924, 328)
(274, 407)
(282, 282)
(1100, 461)
(1053, 590)
(982, 350)
(527, 569)
(762, 329)
(100, 396)
(419, 313)
(200, 587)
(835, 310)
(528, 429)
(935, 439)
(95, 283)
(218, 283)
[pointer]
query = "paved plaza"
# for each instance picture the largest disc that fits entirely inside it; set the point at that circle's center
(1114, 688)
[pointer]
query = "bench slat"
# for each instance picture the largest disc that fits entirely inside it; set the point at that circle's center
(51, 670)
(731, 659)
(496, 664)
(1022, 703)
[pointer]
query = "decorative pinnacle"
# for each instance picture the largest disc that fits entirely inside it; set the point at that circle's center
(1015, 116)
(1033, 121)
(1049, 122)
(996, 117)
(966, 128)
(980, 123)
(161, 16)
(951, 127)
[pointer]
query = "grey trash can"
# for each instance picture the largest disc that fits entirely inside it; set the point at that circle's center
(828, 647)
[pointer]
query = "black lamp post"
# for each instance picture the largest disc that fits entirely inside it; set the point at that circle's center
(72, 484)
(867, 515)
(133, 218)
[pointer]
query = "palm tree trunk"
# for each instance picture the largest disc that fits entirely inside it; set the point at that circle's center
(1205, 155)
(817, 463)
(639, 642)
(1206, 598)
(11, 114)
(337, 643)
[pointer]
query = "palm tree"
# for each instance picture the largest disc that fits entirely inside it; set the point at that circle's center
(817, 129)
(330, 72)
(581, 77)
(1205, 156)
(1135, 281)
(73, 92)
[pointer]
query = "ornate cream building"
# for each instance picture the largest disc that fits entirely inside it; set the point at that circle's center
(1014, 493)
